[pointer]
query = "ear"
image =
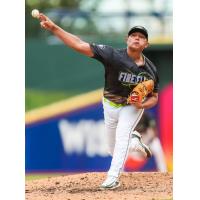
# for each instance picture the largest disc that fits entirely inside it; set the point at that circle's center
(147, 45)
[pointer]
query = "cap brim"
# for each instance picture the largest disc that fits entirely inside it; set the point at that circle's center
(138, 30)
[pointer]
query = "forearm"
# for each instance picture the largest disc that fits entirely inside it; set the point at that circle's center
(69, 39)
(150, 102)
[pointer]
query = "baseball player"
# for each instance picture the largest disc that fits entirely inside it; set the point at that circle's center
(124, 69)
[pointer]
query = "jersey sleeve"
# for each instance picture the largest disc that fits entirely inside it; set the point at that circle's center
(102, 53)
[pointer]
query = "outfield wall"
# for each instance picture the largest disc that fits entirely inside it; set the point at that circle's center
(56, 67)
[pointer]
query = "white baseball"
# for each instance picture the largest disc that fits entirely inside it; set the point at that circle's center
(35, 13)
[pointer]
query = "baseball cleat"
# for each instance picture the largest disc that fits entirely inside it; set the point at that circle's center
(139, 146)
(110, 183)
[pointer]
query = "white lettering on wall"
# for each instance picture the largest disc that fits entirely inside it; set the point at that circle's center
(84, 136)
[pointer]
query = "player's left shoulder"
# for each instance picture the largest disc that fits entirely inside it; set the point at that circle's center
(150, 64)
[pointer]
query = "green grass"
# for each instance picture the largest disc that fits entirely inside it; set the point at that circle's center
(30, 177)
(38, 98)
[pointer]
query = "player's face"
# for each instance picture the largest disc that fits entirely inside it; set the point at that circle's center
(137, 41)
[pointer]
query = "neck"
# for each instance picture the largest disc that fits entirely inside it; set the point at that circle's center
(134, 54)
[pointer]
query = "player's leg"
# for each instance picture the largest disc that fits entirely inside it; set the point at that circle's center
(129, 116)
(110, 130)
(128, 119)
(111, 115)
(110, 120)
(137, 145)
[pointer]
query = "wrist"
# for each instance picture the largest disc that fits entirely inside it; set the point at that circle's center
(142, 106)
(54, 28)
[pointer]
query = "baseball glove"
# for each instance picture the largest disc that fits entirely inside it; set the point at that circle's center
(140, 91)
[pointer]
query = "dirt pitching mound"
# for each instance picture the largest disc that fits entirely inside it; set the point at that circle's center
(134, 186)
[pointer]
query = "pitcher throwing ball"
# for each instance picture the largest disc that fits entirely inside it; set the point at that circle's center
(123, 107)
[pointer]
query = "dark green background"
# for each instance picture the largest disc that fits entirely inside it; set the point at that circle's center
(58, 68)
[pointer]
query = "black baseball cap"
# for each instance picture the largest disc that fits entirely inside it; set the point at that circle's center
(139, 29)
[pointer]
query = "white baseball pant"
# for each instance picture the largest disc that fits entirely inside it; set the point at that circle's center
(119, 123)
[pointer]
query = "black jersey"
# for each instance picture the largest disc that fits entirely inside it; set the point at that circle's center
(122, 74)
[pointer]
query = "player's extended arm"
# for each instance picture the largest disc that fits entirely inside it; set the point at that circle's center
(69, 39)
(149, 102)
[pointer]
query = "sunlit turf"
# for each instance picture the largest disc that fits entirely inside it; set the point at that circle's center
(38, 98)
(41, 176)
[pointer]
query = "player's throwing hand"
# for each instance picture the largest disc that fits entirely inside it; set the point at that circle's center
(45, 22)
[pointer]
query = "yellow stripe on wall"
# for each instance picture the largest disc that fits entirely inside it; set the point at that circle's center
(64, 106)
(161, 40)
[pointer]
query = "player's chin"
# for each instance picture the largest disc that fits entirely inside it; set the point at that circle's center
(135, 47)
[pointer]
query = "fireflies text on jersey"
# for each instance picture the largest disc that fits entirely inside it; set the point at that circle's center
(130, 78)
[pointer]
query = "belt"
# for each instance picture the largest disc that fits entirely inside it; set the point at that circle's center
(116, 105)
